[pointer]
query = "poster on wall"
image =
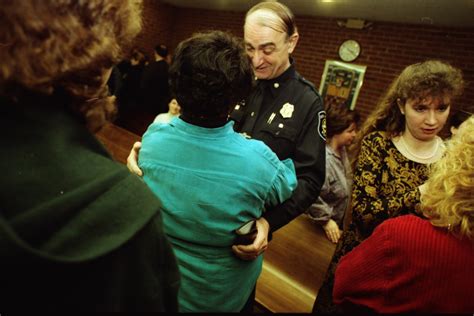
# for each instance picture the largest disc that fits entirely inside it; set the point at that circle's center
(341, 82)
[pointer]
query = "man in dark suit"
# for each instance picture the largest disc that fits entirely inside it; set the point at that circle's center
(154, 85)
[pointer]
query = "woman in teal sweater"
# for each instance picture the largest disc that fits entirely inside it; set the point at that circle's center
(210, 179)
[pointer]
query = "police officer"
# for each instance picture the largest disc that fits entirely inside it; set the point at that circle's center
(284, 111)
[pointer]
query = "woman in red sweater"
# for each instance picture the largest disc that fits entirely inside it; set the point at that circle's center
(411, 264)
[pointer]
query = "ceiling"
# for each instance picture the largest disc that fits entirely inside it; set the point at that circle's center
(452, 13)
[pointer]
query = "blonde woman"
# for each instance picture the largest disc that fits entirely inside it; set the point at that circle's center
(410, 264)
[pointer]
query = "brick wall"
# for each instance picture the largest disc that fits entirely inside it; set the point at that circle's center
(386, 47)
(158, 26)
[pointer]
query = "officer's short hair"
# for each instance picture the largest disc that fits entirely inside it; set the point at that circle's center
(283, 13)
(210, 73)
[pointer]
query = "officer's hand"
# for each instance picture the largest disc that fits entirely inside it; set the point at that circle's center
(132, 159)
(259, 245)
(332, 231)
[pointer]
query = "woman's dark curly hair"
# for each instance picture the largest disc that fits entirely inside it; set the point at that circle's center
(429, 78)
(48, 46)
(209, 74)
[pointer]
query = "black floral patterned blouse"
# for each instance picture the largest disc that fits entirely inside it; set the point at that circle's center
(385, 185)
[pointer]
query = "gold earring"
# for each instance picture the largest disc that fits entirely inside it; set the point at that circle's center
(399, 103)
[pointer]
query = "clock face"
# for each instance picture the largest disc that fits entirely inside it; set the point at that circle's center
(349, 50)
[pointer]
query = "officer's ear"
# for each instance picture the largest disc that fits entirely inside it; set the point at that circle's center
(293, 40)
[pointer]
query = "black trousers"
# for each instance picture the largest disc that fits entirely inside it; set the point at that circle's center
(248, 307)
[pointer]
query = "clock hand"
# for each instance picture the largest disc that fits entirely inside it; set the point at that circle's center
(351, 51)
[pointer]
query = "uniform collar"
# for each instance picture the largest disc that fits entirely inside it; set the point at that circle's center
(276, 84)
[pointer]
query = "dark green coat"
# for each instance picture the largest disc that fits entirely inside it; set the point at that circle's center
(78, 232)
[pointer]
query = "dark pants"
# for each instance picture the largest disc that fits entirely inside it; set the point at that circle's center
(248, 307)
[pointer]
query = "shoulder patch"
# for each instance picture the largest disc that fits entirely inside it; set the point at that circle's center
(322, 124)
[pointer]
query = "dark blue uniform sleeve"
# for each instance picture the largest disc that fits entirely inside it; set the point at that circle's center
(309, 158)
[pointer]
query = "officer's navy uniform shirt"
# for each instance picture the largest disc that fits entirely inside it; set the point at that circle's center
(287, 114)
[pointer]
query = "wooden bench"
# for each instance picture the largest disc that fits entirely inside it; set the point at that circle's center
(294, 267)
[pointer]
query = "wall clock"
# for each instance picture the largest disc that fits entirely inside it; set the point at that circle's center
(349, 50)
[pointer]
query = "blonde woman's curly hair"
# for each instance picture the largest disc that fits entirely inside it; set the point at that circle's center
(429, 78)
(66, 45)
(448, 200)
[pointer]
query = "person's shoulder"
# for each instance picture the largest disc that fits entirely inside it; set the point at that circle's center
(157, 130)
(137, 208)
(376, 136)
(309, 88)
(117, 178)
(249, 143)
(305, 83)
(160, 65)
(403, 219)
(308, 84)
(404, 225)
(151, 66)
(162, 118)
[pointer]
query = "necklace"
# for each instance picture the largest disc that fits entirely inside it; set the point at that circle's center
(431, 155)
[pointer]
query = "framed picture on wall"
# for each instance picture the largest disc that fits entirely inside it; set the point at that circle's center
(341, 82)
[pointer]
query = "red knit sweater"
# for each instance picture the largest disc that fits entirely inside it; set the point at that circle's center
(408, 265)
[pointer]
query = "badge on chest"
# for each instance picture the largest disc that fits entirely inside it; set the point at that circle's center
(286, 110)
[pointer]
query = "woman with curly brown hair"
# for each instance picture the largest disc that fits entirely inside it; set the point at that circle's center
(77, 231)
(411, 264)
(392, 153)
